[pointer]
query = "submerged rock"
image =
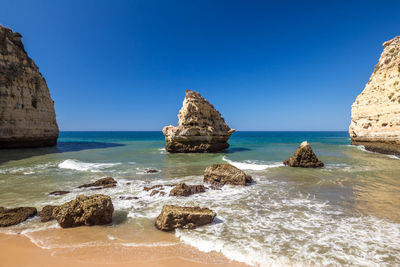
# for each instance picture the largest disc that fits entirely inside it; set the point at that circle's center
(46, 214)
(15, 216)
(101, 183)
(185, 190)
(27, 116)
(375, 115)
(200, 128)
(128, 197)
(304, 157)
(59, 193)
(85, 210)
(151, 171)
(172, 217)
(221, 174)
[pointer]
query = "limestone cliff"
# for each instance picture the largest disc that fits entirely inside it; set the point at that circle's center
(200, 128)
(27, 116)
(375, 115)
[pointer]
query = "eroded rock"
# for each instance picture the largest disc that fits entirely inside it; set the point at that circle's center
(59, 193)
(221, 174)
(172, 217)
(304, 157)
(15, 216)
(101, 183)
(185, 190)
(200, 128)
(46, 214)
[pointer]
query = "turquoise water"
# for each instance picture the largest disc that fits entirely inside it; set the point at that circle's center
(347, 213)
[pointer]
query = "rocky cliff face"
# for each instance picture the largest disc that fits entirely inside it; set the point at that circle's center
(27, 117)
(200, 128)
(375, 115)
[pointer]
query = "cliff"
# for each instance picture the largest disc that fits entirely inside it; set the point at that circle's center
(27, 116)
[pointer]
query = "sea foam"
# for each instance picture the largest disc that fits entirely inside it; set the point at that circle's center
(85, 166)
(252, 165)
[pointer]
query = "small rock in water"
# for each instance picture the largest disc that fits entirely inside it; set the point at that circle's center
(46, 214)
(161, 186)
(128, 197)
(58, 193)
(185, 190)
(151, 171)
(304, 157)
(172, 217)
(85, 210)
(221, 174)
(15, 216)
(155, 192)
(101, 183)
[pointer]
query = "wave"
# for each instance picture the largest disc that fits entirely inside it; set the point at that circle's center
(85, 166)
(252, 165)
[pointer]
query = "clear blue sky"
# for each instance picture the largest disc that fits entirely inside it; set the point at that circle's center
(265, 65)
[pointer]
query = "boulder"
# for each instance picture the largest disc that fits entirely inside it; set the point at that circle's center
(221, 174)
(15, 216)
(304, 157)
(27, 116)
(85, 210)
(185, 190)
(375, 114)
(200, 128)
(101, 183)
(172, 217)
(46, 214)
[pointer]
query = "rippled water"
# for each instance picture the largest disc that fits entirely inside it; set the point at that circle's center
(347, 213)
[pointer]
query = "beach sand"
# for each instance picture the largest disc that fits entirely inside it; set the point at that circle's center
(18, 250)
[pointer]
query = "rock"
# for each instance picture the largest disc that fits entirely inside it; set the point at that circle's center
(185, 190)
(101, 183)
(161, 186)
(200, 128)
(375, 115)
(85, 210)
(58, 193)
(154, 192)
(222, 174)
(15, 216)
(46, 214)
(27, 116)
(304, 157)
(128, 197)
(172, 217)
(151, 171)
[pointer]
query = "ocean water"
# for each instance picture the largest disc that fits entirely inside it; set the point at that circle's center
(347, 213)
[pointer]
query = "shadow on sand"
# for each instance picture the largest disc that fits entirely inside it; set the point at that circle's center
(61, 147)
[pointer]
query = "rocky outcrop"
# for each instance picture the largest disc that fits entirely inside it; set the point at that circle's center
(304, 157)
(172, 217)
(221, 174)
(185, 190)
(27, 116)
(15, 216)
(101, 183)
(375, 115)
(200, 128)
(85, 210)
(46, 214)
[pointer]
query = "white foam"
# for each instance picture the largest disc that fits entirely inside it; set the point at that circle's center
(85, 166)
(252, 165)
(393, 157)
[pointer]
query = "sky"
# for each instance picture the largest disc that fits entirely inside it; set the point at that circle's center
(265, 65)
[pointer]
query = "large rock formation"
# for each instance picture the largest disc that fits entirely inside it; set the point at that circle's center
(200, 128)
(375, 115)
(14, 216)
(304, 157)
(91, 210)
(221, 174)
(172, 217)
(27, 117)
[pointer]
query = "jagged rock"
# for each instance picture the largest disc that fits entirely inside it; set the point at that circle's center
(185, 190)
(59, 193)
(375, 115)
(304, 157)
(172, 217)
(221, 174)
(27, 116)
(46, 214)
(15, 216)
(101, 183)
(85, 210)
(200, 128)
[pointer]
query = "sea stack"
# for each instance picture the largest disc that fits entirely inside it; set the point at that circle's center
(304, 157)
(27, 116)
(200, 128)
(375, 115)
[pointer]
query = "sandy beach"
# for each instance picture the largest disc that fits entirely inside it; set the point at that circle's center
(17, 250)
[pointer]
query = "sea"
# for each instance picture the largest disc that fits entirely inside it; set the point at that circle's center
(347, 213)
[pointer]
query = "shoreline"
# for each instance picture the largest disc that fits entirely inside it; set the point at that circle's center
(13, 246)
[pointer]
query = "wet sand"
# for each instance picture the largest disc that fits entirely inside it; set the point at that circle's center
(17, 250)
